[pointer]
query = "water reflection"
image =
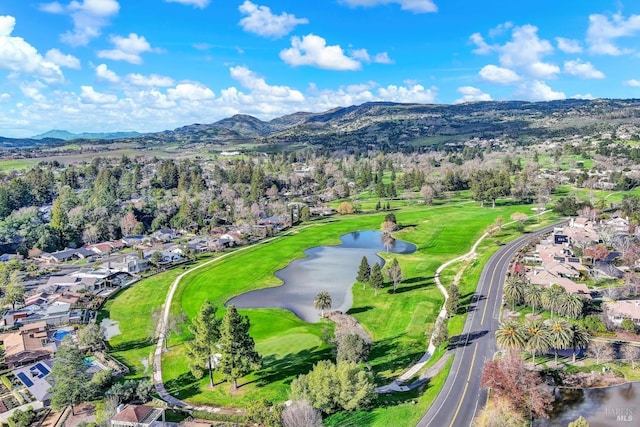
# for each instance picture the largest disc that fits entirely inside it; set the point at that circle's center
(326, 268)
(602, 407)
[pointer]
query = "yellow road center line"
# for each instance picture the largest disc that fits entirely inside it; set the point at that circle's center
(466, 386)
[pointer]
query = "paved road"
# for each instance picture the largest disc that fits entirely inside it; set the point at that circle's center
(462, 397)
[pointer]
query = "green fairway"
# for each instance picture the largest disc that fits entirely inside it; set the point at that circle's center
(290, 346)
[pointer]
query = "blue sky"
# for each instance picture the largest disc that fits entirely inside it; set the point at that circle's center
(150, 65)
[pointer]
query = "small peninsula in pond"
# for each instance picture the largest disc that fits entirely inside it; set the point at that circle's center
(326, 268)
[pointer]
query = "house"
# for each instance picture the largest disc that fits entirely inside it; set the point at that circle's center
(617, 311)
(139, 416)
(545, 278)
(34, 378)
(105, 247)
(127, 264)
(27, 345)
(164, 235)
(133, 241)
(66, 255)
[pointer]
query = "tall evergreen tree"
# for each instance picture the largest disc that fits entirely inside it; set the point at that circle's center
(239, 356)
(206, 333)
(376, 280)
(364, 272)
(71, 382)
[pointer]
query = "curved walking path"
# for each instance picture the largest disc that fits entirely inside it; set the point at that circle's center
(399, 383)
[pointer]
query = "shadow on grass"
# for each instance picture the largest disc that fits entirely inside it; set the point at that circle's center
(420, 283)
(183, 387)
(131, 345)
(362, 309)
(290, 366)
(387, 353)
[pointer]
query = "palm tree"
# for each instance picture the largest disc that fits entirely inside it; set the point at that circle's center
(322, 302)
(513, 291)
(510, 336)
(560, 336)
(572, 305)
(537, 336)
(533, 296)
(551, 298)
(579, 338)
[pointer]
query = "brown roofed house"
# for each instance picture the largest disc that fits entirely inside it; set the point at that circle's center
(138, 416)
(29, 344)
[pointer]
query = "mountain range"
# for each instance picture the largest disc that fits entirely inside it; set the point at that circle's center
(389, 125)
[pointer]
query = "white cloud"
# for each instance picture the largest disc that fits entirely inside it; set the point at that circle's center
(472, 94)
(313, 50)
(483, 48)
(568, 45)
(603, 32)
(152, 80)
(197, 3)
(415, 93)
(190, 92)
(416, 6)
(127, 49)
(537, 90)
(263, 91)
(543, 70)
(59, 58)
(583, 96)
(104, 73)
(89, 17)
(261, 21)
(19, 56)
(584, 70)
(382, 58)
(32, 90)
(90, 96)
(495, 74)
(632, 83)
(526, 50)
(5, 97)
(500, 29)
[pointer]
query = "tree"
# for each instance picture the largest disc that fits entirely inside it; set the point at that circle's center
(520, 218)
(353, 348)
(60, 221)
(364, 272)
(330, 388)
(264, 413)
(579, 422)
(499, 412)
(322, 302)
(345, 208)
(559, 336)
(628, 325)
(237, 348)
(453, 301)
(597, 252)
(376, 280)
(525, 390)
(388, 241)
(301, 414)
(537, 337)
(70, 385)
(91, 336)
(600, 350)
(24, 418)
(205, 328)
(14, 290)
(441, 333)
(510, 336)
(579, 339)
(552, 297)
(631, 353)
(394, 272)
(533, 296)
(513, 291)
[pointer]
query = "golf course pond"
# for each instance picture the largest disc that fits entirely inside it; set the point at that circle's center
(325, 268)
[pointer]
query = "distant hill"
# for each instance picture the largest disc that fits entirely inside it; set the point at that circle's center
(387, 125)
(65, 135)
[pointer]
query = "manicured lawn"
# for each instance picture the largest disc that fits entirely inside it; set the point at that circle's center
(290, 346)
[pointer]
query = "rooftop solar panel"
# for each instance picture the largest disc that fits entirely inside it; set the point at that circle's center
(25, 379)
